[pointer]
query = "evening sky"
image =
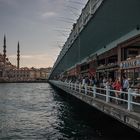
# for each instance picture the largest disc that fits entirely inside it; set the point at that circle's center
(40, 26)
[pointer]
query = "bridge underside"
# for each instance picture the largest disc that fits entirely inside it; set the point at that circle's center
(112, 20)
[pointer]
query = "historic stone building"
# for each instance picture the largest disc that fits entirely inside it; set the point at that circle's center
(12, 73)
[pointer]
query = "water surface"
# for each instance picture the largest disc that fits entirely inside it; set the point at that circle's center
(36, 111)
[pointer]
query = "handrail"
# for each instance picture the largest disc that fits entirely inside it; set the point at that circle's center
(102, 93)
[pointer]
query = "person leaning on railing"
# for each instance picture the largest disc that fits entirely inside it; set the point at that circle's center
(125, 87)
(117, 86)
(109, 84)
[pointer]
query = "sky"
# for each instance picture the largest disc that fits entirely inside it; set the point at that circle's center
(40, 26)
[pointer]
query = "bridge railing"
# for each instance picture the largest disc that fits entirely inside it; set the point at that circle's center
(124, 99)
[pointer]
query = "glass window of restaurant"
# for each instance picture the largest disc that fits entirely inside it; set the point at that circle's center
(137, 77)
(130, 75)
(133, 76)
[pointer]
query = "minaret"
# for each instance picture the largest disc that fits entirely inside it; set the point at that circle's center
(4, 49)
(18, 56)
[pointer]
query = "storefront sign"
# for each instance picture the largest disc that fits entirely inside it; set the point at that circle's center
(130, 64)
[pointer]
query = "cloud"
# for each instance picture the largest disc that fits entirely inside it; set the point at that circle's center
(23, 56)
(48, 14)
(9, 2)
(36, 60)
(33, 22)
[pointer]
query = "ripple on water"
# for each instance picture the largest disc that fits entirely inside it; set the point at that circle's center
(35, 111)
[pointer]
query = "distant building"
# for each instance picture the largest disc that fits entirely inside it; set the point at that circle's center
(28, 74)
(12, 73)
(1, 65)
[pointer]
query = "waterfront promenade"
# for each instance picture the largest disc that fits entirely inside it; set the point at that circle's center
(126, 111)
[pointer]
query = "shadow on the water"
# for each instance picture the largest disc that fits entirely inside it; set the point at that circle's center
(87, 123)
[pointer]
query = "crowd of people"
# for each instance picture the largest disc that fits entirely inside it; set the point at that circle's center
(103, 82)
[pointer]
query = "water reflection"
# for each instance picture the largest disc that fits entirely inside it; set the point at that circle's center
(37, 111)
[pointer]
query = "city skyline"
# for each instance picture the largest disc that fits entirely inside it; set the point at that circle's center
(41, 27)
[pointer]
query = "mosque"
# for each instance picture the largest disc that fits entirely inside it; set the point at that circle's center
(12, 73)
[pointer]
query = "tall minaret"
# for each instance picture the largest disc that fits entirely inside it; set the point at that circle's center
(18, 56)
(4, 49)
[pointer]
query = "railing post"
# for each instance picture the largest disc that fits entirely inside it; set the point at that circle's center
(72, 86)
(85, 88)
(75, 86)
(129, 100)
(107, 94)
(79, 88)
(94, 91)
(67, 85)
